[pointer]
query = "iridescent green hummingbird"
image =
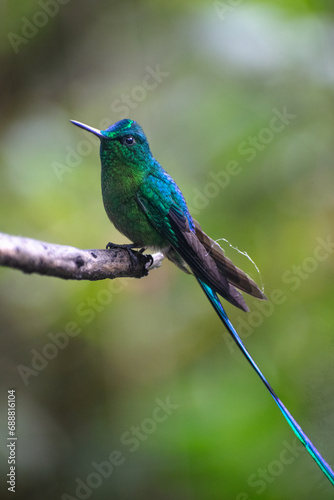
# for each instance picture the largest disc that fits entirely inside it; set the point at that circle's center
(145, 204)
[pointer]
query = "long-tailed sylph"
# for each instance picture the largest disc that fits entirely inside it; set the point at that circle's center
(145, 204)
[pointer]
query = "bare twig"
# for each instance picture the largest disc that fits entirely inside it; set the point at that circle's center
(33, 256)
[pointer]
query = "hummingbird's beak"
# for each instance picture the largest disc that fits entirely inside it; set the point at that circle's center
(94, 131)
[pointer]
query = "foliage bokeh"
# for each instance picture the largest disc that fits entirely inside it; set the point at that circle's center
(223, 71)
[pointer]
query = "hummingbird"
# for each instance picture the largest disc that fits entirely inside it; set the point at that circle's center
(145, 204)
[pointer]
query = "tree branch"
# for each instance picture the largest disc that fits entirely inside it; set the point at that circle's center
(33, 256)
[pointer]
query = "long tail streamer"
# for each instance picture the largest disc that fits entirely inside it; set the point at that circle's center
(291, 421)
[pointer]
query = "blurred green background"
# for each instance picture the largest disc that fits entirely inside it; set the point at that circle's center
(236, 98)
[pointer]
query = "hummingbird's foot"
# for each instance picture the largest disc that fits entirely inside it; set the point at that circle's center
(132, 254)
(127, 246)
(124, 245)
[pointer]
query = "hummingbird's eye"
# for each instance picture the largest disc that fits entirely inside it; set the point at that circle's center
(128, 140)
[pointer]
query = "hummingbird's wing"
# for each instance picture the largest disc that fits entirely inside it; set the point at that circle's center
(199, 259)
(234, 275)
(170, 220)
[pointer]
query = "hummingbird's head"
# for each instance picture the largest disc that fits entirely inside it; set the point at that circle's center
(124, 142)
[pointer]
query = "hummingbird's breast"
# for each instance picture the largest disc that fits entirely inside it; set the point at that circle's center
(119, 194)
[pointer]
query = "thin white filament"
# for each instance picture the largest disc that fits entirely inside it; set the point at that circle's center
(245, 254)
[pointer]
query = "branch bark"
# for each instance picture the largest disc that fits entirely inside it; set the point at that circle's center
(33, 256)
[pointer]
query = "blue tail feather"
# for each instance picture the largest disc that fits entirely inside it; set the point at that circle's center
(212, 296)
